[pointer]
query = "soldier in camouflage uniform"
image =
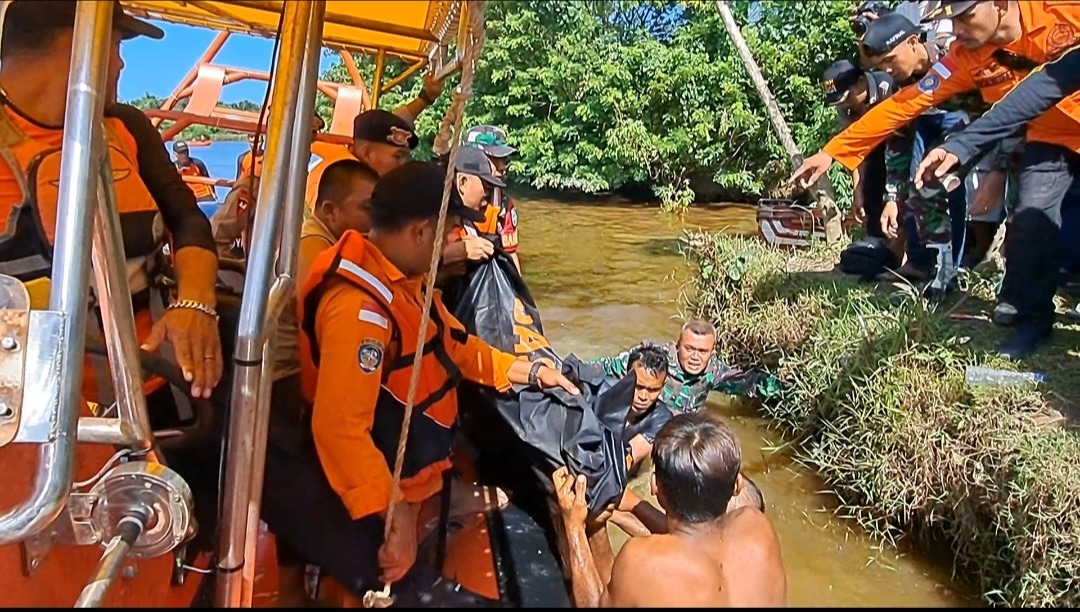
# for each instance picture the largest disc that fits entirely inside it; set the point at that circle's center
(896, 44)
(694, 371)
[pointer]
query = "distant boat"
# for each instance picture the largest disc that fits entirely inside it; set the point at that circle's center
(200, 143)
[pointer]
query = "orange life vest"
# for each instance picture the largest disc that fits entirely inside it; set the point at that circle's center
(202, 192)
(427, 453)
(26, 239)
(322, 155)
(245, 165)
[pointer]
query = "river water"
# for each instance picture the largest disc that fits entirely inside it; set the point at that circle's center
(607, 277)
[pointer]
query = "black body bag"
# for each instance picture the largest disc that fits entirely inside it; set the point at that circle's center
(524, 435)
(867, 258)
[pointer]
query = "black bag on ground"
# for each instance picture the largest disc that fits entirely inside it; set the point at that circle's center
(525, 431)
(867, 258)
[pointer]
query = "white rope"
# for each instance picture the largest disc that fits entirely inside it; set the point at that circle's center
(449, 136)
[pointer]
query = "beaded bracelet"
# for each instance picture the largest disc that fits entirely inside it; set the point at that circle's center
(193, 305)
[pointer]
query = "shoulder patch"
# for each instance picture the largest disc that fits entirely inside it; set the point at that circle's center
(942, 69)
(370, 312)
(929, 83)
(369, 355)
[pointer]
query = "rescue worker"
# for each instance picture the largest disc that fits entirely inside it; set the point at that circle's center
(1039, 92)
(474, 182)
(359, 311)
(706, 556)
(694, 370)
(247, 164)
(344, 203)
(647, 414)
(934, 219)
(502, 215)
(35, 60)
(1045, 87)
(853, 91)
(187, 165)
(382, 140)
(379, 137)
(997, 43)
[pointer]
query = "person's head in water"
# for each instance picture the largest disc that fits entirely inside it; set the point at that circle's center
(405, 213)
(695, 346)
(473, 178)
(650, 366)
(977, 23)
(183, 155)
(382, 140)
(895, 45)
(36, 50)
(344, 199)
(697, 461)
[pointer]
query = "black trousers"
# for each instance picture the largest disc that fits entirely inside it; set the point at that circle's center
(1034, 251)
(308, 518)
(872, 186)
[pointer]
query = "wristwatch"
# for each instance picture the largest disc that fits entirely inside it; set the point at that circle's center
(533, 372)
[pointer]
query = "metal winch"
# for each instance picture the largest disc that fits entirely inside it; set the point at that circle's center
(142, 488)
(145, 505)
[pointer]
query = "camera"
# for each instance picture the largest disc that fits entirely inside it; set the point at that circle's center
(861, 21)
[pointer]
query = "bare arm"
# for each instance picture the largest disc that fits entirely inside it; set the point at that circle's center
(649, 516)
(584, 578)
(640, 448)
(630, 524)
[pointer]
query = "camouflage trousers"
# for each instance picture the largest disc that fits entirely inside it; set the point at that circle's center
(925, 210)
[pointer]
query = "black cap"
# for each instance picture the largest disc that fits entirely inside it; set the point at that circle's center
(377, 125)
(37, 15)
(886, 33)
(473, 161)
(837, 79)
(179, 146)
(489, 139)
(949, 9)
(414, 190)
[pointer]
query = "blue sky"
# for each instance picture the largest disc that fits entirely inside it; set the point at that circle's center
(157, 66)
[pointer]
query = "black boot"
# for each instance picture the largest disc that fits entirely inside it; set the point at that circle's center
(1025, 339)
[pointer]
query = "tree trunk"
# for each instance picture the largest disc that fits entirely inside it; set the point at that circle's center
(823, 191)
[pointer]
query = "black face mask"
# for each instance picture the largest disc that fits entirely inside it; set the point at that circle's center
(1014, 61)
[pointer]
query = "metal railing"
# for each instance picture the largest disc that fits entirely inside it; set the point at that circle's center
(265, 294)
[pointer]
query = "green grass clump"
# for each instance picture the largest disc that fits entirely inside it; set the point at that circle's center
(875, 401)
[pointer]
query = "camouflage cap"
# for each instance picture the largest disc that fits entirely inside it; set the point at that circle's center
(489, 139)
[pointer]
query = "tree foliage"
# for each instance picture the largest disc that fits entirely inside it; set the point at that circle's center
(196, 132)
(607, 96)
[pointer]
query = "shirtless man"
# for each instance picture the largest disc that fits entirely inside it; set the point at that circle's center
(709, 558)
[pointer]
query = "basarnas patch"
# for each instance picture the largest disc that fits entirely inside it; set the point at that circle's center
(369, 355)
(929, 83)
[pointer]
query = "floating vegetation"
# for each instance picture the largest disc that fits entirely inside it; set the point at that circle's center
(876, 402)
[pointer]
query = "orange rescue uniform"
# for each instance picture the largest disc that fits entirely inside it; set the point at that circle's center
(202, 192)
(360, 318)
(1049, 29)
(28, 208)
